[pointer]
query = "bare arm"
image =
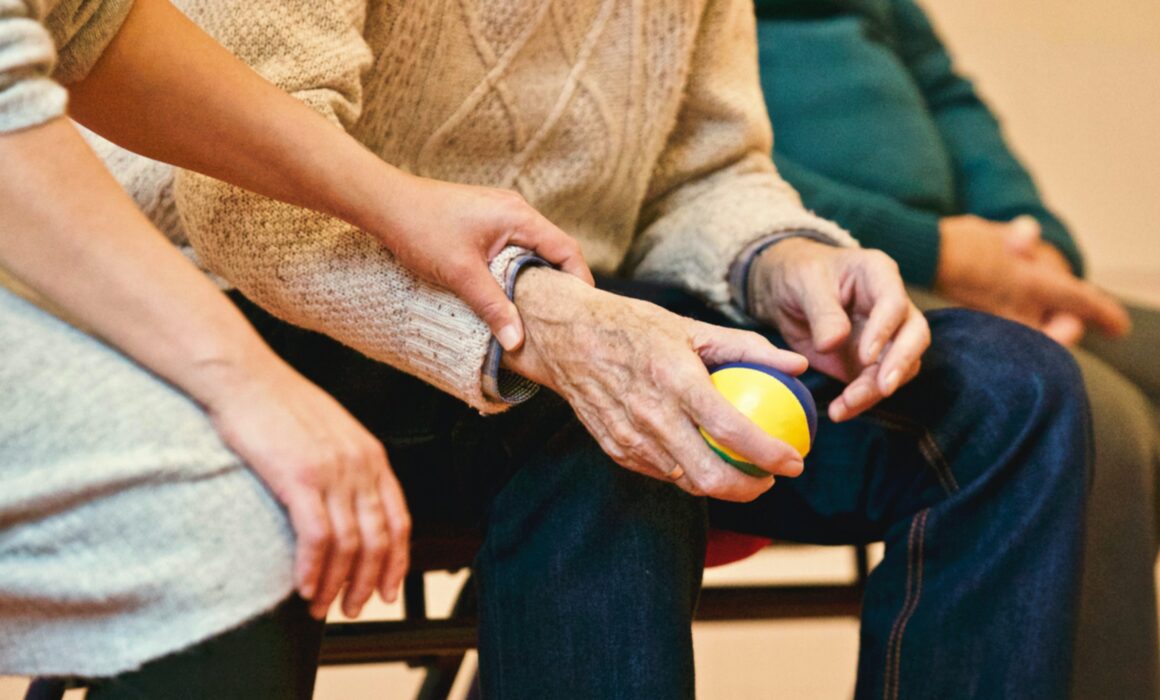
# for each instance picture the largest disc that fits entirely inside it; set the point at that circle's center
(165, 89)
(70, 233)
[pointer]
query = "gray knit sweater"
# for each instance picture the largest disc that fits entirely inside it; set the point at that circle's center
(31, 67)
(127, 529)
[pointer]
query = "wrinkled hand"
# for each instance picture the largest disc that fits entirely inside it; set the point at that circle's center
(345, 505)
(636, 376)
(847, 311)
(447, 233)
(1007, 270)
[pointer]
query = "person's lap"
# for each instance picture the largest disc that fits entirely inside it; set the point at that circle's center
(529, 477)
(127, 529)
(1116, 648)
(1134, 356)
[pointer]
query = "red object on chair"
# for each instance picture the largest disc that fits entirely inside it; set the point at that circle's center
(725, 547)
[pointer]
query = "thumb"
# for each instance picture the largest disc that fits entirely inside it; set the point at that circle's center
(550, 243)
(1022, 235)
(482, 293)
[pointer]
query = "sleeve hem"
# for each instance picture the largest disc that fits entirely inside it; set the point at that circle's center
(739, 271)
(31, 103)
(499, 384)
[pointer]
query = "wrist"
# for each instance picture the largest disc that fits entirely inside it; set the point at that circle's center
(954, 251)
(376, 197)
(551, 303)
(764, 273)
(213, 377)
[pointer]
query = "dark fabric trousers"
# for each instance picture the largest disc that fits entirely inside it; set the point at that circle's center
(273, 657)
(974, 475)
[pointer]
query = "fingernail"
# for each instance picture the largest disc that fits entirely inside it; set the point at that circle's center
(509, 338)
(892, 381)
(874, 351)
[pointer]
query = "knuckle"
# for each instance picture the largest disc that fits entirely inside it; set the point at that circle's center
(725, 431)
(376, 546)
(623, 434)
(401, 527)
(310, 473)
(315, 535)
(882, 260)
(376, 454)
(346, 542)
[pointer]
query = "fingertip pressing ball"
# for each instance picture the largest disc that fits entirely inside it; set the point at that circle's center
(777, 402)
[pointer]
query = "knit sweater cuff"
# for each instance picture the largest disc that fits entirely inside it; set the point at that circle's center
(499, 384)
(910, 237)
(31, 103)
(82, 30)
(739, 272)
(695, 244)
(28, 95)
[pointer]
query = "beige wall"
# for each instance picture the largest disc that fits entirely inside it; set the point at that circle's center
(1077, 83)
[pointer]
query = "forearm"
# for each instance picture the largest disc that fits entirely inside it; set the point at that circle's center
(70, 234)
(319, 273)
(165, 89)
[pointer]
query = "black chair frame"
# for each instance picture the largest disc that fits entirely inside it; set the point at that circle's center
(440, 644)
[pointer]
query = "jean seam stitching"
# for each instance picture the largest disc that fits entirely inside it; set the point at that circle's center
(931, 452)
(914, 570)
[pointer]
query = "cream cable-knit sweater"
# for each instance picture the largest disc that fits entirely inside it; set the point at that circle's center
(636, 126)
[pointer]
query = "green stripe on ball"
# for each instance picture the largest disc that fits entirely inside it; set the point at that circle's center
(747, 467)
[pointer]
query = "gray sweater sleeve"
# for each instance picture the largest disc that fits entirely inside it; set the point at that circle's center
(30, 72)
(28, 95)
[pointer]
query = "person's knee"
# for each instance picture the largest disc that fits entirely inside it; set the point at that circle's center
(997, 393)
(1002, 364)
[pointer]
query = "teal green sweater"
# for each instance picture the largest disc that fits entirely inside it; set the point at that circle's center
(878, 132)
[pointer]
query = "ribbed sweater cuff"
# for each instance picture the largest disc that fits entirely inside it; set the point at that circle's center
(908, 236)
(739, 272)
(498, 383)
(31, 103)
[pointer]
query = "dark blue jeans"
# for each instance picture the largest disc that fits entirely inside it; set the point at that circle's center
(974, 475)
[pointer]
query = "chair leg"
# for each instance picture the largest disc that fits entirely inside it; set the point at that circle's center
(862, 563)
(441, 673)
(46, 689)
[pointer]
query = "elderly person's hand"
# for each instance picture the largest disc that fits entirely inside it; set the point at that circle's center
(1005, 268)
(847, 311)
(636, 376)
(345, 505)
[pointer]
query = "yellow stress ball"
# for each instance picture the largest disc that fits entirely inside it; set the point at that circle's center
(776, 401)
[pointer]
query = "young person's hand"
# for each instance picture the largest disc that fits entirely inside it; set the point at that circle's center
(164, 89)
(131, 287)
(447, 233)
(345, 505)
